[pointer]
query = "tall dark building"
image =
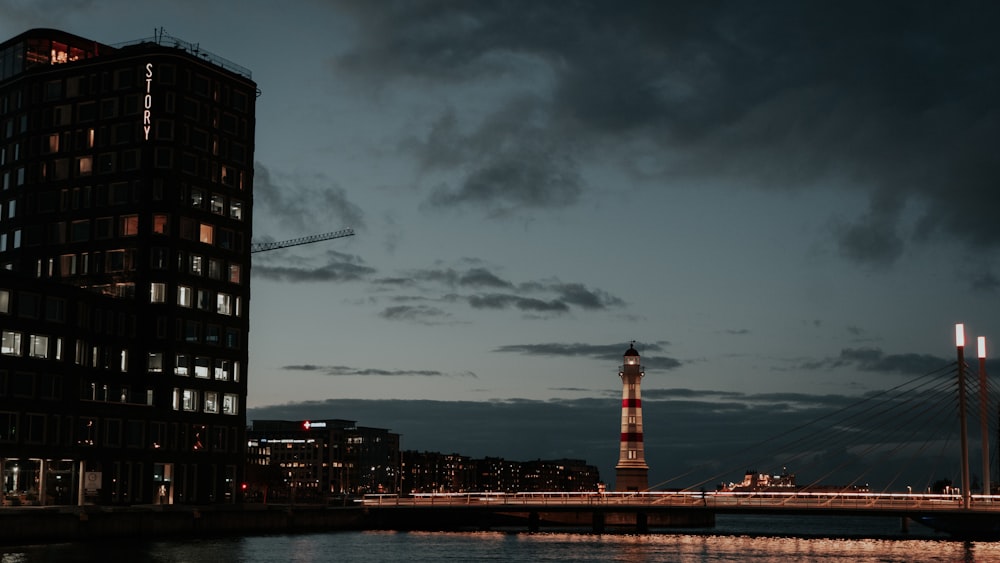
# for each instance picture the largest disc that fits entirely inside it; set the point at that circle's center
(126, 197)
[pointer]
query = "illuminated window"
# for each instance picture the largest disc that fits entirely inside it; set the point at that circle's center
(234, 273)
(197, 198)
(5, 301)
(38, 346)
(217, 204)
(189, 400)
(161, 225)
(632, 454)
(10, 343)
(181, 365)
(85, 165)
(236, 210)
(53, 143)
(224, 304)
(230, 404)
(157, 292)
(223, 370)
(129, 226)
(201, 367)
(184, 296)
(196, 264)
(211, 402)
(206, 233)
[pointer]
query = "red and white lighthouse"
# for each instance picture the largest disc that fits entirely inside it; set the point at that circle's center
(631, 471)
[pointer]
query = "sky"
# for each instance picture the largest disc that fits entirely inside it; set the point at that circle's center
(786, 205)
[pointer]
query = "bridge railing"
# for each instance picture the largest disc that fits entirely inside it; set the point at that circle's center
(709, 499)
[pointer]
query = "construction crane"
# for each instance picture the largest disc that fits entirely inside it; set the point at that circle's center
(264, 246)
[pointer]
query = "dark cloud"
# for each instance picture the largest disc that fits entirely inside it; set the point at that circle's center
(603, 352)
(542, 298)
(336, 266)
(693, 438)
(875, 360)
(894, 99)
(419, 314)
(301, 205)
(351, 371)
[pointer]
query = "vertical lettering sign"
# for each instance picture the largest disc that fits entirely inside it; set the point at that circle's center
(147, 102)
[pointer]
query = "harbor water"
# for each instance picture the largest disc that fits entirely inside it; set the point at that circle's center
(765, 539)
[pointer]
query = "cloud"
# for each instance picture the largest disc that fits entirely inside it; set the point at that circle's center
(336, 266)
(875, 360)
(350, 371)
(603, 352)
(419, 314)
(895, 101)
(301, 204)
(544, 298)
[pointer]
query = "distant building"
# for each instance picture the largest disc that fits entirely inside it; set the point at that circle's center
(316, 460)
(126, 197)
(433, 472)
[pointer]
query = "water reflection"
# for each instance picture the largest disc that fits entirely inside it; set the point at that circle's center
(507, 546)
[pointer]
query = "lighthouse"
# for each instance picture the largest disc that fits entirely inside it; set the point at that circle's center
(631, 471)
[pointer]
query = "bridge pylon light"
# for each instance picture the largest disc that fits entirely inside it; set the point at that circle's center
(631, 473)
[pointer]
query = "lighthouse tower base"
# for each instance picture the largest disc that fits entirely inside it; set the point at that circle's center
(631, 479)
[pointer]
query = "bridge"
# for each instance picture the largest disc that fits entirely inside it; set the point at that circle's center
(907, 426)
(641, 511)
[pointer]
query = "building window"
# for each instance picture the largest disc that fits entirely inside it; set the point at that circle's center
(211, 402)
(206, 233)
(203, 299)
(230, 404)
(236, 210)
(85, 165)
(201, 367)
(8, 426)
(217, 205)
(184, 296)
(129, 225)
(10, 343)
(224, 304)
(189, 400)
(157, 292)
(155, 363)
(181, 365)
(5, 301)
(196, 264)
(160, 224)
(234, 273)
(38, 346)
(67, 265)
(215, 269)
(223, 369)
(79, 231)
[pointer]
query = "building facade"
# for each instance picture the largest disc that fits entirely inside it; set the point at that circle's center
(319, 460)
(434, 472)
(126, 194)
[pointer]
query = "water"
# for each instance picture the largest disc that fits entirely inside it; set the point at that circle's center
(762, 539)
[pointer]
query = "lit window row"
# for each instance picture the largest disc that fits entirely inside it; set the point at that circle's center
(216, 203)
(202, 367)
(221, 303)
(193, 400)
(14, 343)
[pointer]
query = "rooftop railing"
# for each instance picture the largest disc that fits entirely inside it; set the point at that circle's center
(163, 39)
